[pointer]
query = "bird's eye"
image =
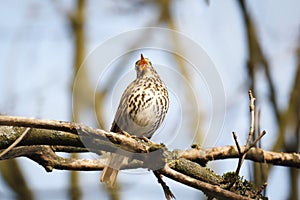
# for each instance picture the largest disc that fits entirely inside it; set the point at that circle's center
(150, 63)
(137, 62)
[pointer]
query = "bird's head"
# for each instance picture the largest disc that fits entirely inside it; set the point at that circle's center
(143, 66)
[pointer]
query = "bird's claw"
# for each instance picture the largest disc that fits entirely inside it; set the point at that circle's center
(126, 134)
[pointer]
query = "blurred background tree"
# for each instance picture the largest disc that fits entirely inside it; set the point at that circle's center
(254, 45)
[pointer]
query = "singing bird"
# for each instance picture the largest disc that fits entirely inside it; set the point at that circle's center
(142, 109)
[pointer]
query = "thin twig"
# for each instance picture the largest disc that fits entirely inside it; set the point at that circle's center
(249, 145)
(166, 189)
(256, 140)
(243, 156)
(252, 119)
(258, 126)
(240, 163)
(17, 141)
(236, 142)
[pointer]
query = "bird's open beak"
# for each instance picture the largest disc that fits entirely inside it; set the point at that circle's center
(143, 61)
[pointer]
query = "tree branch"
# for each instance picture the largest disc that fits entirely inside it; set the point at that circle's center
(70, 142)
(208, 189)
(255, 154)
(179, 165)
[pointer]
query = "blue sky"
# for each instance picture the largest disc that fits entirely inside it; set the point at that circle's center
(36, 56)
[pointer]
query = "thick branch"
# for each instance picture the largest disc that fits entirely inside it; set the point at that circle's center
(68, 142)
(254, 154)
(68, 136)
(64, 133)
(46, 157)
(208, 189)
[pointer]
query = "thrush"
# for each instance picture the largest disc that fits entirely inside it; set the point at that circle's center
(142, 109)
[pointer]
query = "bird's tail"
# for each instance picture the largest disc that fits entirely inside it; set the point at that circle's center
(110, 172)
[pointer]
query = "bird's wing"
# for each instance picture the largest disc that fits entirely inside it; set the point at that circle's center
(121, 113)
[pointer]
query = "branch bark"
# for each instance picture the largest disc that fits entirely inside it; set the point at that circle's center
(49, 136)
(64, 136)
